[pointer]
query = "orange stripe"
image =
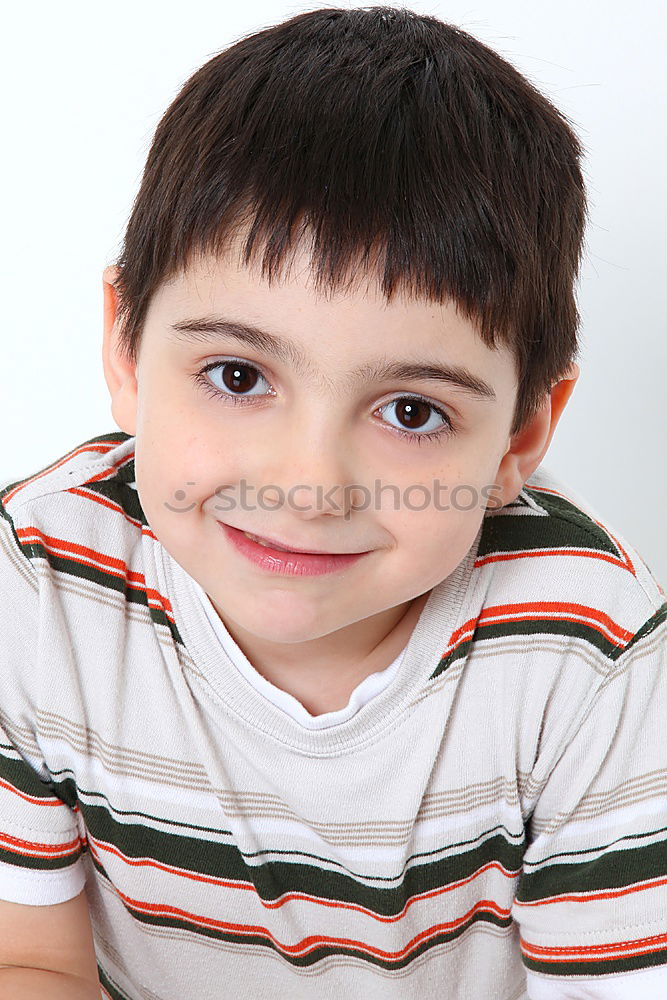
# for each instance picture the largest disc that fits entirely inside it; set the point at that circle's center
(50, 801)
(593, 952)
(287, 897)
(584, 610)
(535, 553)
(54, 544)
(628, 562)
(18, 846)
(310, 943)
(104, 562)
(594, 895)
(501, 613)
(101, 449)
(105, 502)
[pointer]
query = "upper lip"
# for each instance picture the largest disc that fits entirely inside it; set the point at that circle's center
(295, 548)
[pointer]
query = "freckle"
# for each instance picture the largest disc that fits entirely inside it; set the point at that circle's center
(180, 494)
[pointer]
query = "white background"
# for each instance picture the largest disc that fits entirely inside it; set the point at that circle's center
(83, 87)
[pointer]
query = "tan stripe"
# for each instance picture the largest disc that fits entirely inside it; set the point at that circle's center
(639, 789)
(261, 805)
(116, 760)
(22, 737)
(138, 613)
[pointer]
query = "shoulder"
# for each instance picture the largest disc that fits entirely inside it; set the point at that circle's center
(554, 565)
(63, 512)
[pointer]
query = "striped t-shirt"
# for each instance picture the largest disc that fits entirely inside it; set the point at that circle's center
(489, 825)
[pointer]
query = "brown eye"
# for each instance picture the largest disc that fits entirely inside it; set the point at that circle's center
(412, 413)
(416, 418)
(232, 380)
(237, 377)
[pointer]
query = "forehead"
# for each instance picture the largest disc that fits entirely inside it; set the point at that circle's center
(322, 332)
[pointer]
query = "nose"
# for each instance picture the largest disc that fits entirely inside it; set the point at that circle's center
(312, 475)
(308, 501)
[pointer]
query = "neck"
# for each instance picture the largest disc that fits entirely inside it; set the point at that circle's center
(323, 672)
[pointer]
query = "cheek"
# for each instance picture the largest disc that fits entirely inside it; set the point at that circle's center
(443, 512)
(453, 494)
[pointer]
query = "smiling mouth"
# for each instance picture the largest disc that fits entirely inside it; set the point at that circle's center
(271, 545)
(267, 543)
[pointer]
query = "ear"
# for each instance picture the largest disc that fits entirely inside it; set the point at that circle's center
(119, 371)
(528, 447)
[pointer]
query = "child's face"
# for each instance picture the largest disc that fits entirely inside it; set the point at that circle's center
(321, 429)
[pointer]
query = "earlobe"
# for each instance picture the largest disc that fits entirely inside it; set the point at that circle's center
(528, 447)
(119, 370)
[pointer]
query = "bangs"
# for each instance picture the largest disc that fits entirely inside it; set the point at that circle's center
(388, 144)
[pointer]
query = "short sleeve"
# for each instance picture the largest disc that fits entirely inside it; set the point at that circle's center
(40, 841)
(591, 900)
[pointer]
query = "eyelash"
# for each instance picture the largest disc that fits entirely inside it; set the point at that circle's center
(412, 436)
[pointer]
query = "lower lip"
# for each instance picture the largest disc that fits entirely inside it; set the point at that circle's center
(288, 563)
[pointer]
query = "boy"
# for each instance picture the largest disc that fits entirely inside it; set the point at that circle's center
(314, 682)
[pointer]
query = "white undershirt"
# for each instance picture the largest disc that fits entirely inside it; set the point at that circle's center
(363, 692)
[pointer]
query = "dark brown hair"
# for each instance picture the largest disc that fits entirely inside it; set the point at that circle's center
(401, 145)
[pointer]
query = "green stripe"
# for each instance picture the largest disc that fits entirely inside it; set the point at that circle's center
(22, 776)
(613, 870)
(118, 491)
(563, 526)
(114, 992)
(532, 627)
(604, 967)
(42, 863)
(275, 877)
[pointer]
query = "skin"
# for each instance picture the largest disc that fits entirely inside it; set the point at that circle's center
(316, 637)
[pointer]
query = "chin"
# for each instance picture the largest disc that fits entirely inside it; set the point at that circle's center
(276, 621)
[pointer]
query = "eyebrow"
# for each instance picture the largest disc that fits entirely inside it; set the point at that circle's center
(286, 351)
